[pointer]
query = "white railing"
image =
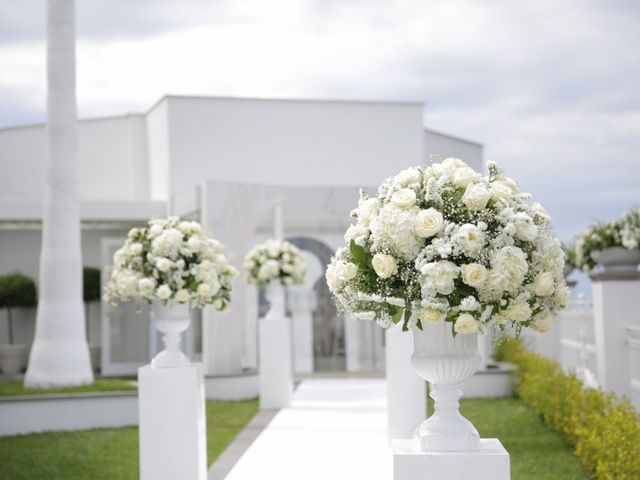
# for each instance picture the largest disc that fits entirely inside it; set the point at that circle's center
(577, 347)
(633, 343)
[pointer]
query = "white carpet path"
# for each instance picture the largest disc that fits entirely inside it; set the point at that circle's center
(335, 429)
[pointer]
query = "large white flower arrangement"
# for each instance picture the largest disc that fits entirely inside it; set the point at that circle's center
(275, 260)
(444, 243)
(168, 260)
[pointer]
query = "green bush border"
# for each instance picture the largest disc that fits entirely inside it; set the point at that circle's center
(604, 430)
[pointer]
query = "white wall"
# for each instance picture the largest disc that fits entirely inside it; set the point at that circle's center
(111, 160)
(291, 142)
(443, 145)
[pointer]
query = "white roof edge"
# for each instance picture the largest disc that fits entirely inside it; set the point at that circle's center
(292, 100)
(454, 137)
(106, 210)
(80, 120)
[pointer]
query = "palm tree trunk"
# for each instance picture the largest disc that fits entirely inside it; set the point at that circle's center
(60, 354)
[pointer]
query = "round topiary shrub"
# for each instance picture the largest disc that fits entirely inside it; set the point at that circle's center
(16, 290)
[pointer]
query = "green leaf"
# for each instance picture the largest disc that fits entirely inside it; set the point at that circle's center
(396, 314)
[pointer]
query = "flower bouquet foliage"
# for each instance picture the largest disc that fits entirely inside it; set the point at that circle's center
(275, 260)
(622, 232)
(444, 243)
(170, 259)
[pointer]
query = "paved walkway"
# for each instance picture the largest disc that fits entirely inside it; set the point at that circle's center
(335, 429)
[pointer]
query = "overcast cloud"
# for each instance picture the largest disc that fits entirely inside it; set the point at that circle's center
(550, 88)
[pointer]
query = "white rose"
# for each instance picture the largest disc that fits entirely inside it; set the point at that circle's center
(135, 248)
(476, 196)
(474, 274)
(269, 269)
(339, 272)
(163, 292)
(182, 296)
(428, 222)
(525, 228)
(146, 286)
(155, 230)
(331, 276)
(384, 265)
(542, 321)
(541, 212)
(464, 176)
(518, 312)
(430, 316)
(500, 191)
(366, 210)
(470, 238)
(466, 324)
(408, 178)
(404, 198)
(163, 264)
(204, 290)
(543, 285)
(440, 276)
(194, 244)
(357, 233)
(346, 271)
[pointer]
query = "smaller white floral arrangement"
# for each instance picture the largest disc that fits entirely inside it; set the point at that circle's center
(275, 260)
(170, 259)
(622, 232)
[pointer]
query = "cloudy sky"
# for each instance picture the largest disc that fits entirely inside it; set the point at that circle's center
(550, 88)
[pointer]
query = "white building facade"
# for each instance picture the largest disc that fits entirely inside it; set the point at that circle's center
(226, 163)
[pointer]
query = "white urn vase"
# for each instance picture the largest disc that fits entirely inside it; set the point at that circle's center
(275, 296)
(445, 361)
(170, 319)
(617, 259)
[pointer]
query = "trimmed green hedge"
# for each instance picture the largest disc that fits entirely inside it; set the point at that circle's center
(16, 290)
(604, 430)
(91, 284)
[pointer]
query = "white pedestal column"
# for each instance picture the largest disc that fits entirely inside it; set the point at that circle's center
(616, 304)
(491, 462)
(301, 304)
(173, 442)
(276, 371)
(406, 391)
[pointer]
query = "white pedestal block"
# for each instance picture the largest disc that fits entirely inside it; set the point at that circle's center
(276, 370)
(173, 441)
(491, 462)
(406, 391)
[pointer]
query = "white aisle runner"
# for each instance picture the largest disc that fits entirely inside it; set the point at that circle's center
(335, 429)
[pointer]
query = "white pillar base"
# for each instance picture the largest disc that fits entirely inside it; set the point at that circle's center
(491, 462)
(276, 370)
(173, 441)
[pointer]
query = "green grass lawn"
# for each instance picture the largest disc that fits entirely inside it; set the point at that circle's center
(16, 387)
(106, 454)
(537, 453)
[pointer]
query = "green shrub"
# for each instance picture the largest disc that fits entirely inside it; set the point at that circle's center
(16, 290)
(604, 430)
(91, 284)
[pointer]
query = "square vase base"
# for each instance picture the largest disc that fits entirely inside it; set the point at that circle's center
(491, 462)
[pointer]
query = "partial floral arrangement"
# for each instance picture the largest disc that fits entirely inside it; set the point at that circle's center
(171, 260)
(444, 243)
(275, 260)
(622, 232)
(569, 258)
